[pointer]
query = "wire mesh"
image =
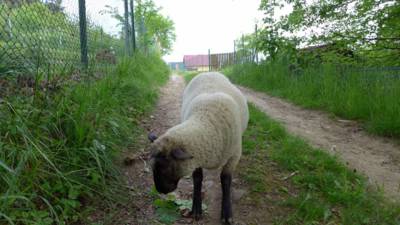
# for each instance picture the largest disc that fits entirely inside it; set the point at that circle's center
(42, 36)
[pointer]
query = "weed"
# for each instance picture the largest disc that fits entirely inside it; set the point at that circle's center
(169, 207)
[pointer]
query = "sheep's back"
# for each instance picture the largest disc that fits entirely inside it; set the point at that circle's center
(213, 82)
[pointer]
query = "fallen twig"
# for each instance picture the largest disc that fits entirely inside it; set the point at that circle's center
(291, 175)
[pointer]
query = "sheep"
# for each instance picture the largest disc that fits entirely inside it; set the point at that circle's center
(214, 116)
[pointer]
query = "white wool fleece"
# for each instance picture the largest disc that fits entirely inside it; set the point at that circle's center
(213, 118)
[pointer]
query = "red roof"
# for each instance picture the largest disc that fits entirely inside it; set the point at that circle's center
(195, 60)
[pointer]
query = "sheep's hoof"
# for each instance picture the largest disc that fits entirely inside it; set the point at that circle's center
(196, 215)
(227, 221)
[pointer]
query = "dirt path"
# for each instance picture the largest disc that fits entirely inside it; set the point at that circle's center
(167, 115)
(248, 207)
(377, 158)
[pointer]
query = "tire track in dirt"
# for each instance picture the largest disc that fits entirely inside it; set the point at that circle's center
(376, 157)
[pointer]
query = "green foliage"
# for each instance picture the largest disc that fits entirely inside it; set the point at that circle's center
(57, 148)
(155, 32)
(39, 37)
(168, 207)
(329, 193)
(154, 29)
(166, 211)
(189, 75)
(369, 95)
(28, 33)
(368, 28)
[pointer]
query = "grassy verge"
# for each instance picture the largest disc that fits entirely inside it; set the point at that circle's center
(328, 192)
(57, 148)
(370, 96)
(188, 75)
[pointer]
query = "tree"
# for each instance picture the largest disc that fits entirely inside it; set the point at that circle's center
(369, 27)
(55, 6)
(155, 31)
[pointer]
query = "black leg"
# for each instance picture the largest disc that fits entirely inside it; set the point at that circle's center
(196, 205)
(226, 209)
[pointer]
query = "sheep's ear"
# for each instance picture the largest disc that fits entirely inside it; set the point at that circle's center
(180, 154)
(152, 137)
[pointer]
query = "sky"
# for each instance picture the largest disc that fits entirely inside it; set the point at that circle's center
(209, 24)
(200, 25)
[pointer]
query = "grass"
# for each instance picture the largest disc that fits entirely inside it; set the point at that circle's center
(328, 192)
(322, 189)
(57, 148)
(370, 96)
(188, 75)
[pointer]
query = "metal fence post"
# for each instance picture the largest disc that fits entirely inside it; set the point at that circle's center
(143, 32)
(244, 53)
(234, 51)
(127, 29)
(83, 33)
(255, 47)
(133, 26)
(209, 60)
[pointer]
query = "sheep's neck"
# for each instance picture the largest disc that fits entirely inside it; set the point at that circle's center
(203, 140)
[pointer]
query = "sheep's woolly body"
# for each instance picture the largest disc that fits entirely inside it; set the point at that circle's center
(214, 117)
(214, 83)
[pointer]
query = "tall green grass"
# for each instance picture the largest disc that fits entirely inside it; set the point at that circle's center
(57, 149)
(371, 96)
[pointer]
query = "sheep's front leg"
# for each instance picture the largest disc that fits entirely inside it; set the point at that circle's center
(197, 182)
(226, 209)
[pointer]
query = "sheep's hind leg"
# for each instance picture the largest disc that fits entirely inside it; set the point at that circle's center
(197, 182)
(226, 209)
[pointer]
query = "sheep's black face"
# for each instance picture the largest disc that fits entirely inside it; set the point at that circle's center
(165, 174)
(166, 164)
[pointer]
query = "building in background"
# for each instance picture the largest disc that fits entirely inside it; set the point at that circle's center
(196, 62)
(179, 66)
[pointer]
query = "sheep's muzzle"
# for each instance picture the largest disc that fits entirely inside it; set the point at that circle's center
(163, 184)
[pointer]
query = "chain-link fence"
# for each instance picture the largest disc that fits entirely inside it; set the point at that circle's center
(54, 37)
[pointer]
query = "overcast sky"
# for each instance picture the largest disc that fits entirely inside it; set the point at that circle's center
(200, 25)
